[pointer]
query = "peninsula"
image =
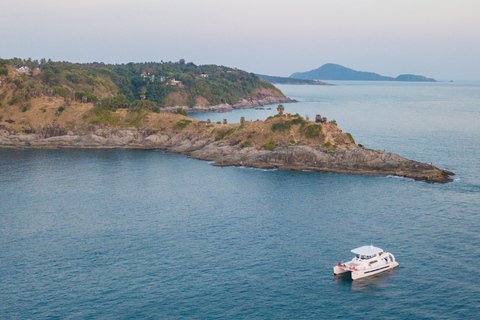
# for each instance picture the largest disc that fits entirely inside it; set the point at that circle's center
(290, 80)
(331, 71)
(35, 114)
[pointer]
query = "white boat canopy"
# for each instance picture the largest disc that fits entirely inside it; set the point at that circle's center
(367, 250)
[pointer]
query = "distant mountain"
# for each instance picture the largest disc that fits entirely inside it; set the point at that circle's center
(287, 80)
(332, 71)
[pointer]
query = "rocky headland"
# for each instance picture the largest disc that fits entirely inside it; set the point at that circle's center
(283, 142)
(244, 103)
(80, 106)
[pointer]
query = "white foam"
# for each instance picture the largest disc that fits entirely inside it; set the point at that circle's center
(400, 178)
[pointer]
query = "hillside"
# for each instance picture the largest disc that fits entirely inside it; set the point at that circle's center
(153, 86)
(332, 71)
(37, 114)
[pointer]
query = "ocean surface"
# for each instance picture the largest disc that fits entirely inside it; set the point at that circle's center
(129, 234)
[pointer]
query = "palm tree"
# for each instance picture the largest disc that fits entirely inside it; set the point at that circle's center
(280, 109)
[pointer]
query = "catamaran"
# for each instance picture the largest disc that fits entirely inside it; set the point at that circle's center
(368, 260)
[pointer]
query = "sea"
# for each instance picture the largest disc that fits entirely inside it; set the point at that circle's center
(135, 234)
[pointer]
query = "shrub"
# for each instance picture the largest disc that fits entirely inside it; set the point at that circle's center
(269, 145)
(105, 117)
(299, 121)
(350, 137)
(18, 83)
(3, 72)
(138, 105)
(79, 95)
(61, 108)
(247, 144)
(61, 91)
(223, 133)
(281, 126)
(73, 77)
(327, 144)
(91, 97)
(113, 103)
(182, 124)
(312, 131)
(182, 112)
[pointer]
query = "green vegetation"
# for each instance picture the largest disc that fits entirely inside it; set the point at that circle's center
(61, 91)
(327, 144)
(223, 133)
(182, 112)
(350, 137)
(136, 86)
(247, 144)
(182, 124)
(270, 145)
(312, 131)
(281, 126)
(105, 117)
(280, 109)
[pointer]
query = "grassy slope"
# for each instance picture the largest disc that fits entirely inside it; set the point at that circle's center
(44, 110)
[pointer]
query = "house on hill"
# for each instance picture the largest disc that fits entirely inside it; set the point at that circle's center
(23, 69)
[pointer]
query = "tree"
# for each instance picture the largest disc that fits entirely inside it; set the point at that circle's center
(280, 109)
(144, 91)
(182, 61)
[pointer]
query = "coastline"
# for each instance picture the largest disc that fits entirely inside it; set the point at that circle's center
(357, 160)
(225, 107)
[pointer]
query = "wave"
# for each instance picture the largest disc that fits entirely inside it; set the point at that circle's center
(259, 169)
(399, 178)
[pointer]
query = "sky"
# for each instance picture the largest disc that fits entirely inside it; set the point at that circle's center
(434, 38)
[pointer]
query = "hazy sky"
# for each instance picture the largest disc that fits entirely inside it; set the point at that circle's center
(434, 38)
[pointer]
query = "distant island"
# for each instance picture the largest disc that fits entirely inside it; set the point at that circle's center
(289, 80)
(132, 106)
(332, 71)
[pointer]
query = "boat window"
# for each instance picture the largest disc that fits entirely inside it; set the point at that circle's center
(372, 262)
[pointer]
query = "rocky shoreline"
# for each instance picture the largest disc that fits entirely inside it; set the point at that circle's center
(357, 160)
(242, 104)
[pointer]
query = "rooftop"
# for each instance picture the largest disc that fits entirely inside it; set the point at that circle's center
(367, 250)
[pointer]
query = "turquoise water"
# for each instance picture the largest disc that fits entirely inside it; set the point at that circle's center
(117, 234)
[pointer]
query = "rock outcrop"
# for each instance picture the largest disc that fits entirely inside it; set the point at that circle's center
(354, 160)
(242, 104)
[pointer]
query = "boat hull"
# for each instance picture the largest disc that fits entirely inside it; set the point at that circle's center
(367, 273)
(338, 270)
